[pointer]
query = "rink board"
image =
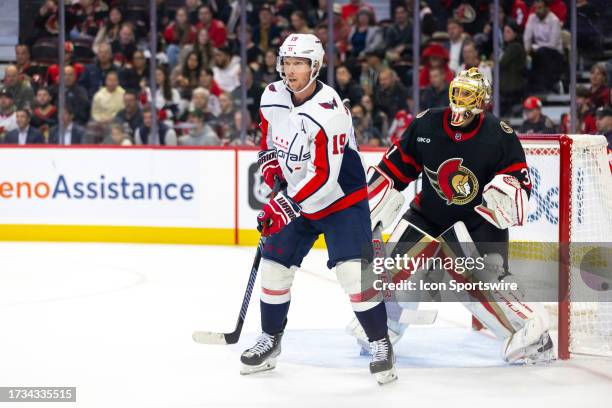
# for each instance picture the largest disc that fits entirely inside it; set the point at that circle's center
(171, 195)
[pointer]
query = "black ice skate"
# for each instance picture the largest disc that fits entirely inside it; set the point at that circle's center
(262, 356)
(383, 360)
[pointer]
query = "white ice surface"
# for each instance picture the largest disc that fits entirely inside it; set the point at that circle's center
(116, 321)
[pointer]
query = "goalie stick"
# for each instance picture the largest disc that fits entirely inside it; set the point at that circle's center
(208, 337)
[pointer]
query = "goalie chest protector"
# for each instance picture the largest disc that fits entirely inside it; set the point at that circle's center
(455, 163)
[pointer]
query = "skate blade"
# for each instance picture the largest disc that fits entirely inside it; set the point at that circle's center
(541, 359)
(385, 377)
(265, 366)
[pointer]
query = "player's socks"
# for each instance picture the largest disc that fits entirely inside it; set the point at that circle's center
(374, 321)
(273, 316)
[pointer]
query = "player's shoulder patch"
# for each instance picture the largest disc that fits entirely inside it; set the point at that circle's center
(271, 88)
(331, 104)
(421, 114)
(505, 127)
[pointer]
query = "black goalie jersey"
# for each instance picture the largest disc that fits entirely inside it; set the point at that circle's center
(455, 163)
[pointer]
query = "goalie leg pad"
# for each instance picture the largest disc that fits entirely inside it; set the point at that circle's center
(531, 344)
(408, 240)
(523, 326)
(501, 312)
(276, 281)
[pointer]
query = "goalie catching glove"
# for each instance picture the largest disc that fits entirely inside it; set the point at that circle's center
(504, 202)
(275, 215)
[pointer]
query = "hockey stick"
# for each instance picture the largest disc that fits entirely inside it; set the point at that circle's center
(207, 337)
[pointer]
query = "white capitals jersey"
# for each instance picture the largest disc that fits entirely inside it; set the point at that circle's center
(316, 149)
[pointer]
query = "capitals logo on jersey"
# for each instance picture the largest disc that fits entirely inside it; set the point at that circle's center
(453, 182)
(329, 105)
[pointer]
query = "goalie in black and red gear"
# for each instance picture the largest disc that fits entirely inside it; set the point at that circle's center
(475, 185)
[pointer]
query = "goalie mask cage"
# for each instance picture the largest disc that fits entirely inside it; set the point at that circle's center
(583, 315)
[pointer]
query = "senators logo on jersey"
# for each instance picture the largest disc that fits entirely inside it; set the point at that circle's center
(453, 182)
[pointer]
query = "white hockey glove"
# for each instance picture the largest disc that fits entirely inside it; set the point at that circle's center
(504, 202)
(385, 201)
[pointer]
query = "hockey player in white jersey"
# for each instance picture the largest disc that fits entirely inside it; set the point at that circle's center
(308, 142)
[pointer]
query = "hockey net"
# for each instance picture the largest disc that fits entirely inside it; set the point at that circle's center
(571, 203)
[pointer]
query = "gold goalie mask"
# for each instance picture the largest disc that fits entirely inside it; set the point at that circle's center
(468, 94)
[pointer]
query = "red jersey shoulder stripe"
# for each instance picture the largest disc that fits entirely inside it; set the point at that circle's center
(408, 159)
(513, 167)
(396, 172)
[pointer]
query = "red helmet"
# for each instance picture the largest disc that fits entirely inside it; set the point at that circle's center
(532, 102)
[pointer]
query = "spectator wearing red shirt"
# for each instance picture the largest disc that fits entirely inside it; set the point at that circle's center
(402, 120)
(599, 85)
(53, 70)
(216, 29)
(177, 34)
(586, 114)
(435, 56)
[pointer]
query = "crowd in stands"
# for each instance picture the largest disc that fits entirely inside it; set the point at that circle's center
(198, 100)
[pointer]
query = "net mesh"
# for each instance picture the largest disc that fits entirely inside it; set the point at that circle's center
(590, 324)
(591, 221)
